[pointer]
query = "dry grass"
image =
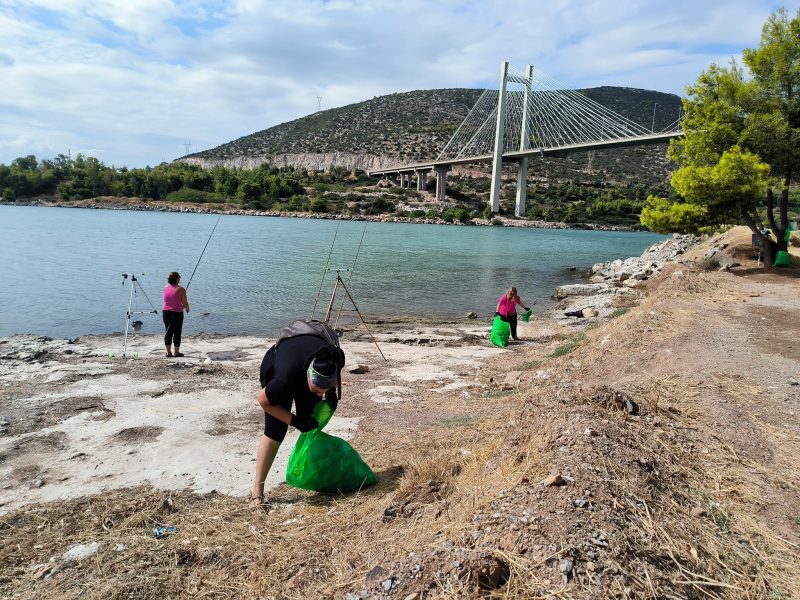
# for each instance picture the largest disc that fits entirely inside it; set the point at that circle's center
(740, 551)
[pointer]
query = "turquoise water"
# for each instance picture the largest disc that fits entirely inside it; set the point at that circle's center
(60, 268)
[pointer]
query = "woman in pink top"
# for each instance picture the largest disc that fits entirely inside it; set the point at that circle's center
(507, 309)
(175, 302)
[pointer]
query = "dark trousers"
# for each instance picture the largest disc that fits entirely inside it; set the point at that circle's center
(512, 321)
(173, 321)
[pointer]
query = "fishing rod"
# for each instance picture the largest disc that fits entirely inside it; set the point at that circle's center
(350, 274)
(203, 252)
(325, 269)
(341, 282)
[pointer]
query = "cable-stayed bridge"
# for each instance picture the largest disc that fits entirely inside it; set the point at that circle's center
(529, 115)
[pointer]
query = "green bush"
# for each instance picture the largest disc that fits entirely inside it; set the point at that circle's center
(9, 195)
(318, 205)
(187, 194)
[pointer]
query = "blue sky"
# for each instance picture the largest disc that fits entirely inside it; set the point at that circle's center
(131, 81)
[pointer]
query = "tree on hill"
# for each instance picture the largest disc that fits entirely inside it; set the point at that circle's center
(741, 150)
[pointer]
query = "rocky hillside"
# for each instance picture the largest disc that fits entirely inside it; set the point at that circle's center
(416, 125)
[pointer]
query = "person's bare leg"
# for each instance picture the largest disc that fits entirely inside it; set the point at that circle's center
(169, 351)
(267, 449)
(177, 351)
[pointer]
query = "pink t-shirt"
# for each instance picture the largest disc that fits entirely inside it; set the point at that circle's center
(508, 307)
(172, 301)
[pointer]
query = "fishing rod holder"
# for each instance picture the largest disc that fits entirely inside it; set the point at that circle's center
(132, 276)
(132, 279)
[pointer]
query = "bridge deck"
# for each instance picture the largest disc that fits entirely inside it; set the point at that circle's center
(514, 156)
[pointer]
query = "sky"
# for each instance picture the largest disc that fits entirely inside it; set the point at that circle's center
(137, 82)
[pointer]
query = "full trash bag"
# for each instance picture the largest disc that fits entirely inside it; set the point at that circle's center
(527, 316)
(782, 259)
(500, 332)
(325, 463)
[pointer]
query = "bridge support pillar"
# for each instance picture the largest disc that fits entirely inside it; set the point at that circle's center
(441, 183)
(422, 180)
(522, 187)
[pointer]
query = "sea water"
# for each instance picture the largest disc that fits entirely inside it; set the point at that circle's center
(61, 268)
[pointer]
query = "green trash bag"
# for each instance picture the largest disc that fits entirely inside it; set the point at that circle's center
(325, 463)
(527, 316)
(500, 332)
(782, 259)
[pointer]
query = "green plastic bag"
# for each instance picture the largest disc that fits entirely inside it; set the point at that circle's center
(527, 316)
(782, 259)
(500, 332)
(325, 463)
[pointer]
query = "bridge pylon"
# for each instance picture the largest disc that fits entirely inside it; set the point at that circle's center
(530, 115)
(499, 141)
(524, 144)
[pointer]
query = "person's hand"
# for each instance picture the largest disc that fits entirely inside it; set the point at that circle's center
(187, 311)
(304, 424)
(333, 401)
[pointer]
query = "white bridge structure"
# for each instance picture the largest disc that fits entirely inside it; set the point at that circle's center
(530, 114)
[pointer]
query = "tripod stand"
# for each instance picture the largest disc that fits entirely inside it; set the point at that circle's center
(135, 325)
(340, 282)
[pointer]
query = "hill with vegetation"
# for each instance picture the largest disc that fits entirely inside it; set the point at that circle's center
(318, 164)
(415, 126)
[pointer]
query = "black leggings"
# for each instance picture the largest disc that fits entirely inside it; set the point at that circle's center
(173, 321)
(512, 321)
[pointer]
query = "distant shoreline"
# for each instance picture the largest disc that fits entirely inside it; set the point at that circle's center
(158, 206)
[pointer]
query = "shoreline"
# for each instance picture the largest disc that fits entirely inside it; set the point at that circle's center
(160, 206)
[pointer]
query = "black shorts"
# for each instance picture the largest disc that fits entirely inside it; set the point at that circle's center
(285, 383)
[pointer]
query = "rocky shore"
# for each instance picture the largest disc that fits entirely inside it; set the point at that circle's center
(137, 204)
(619, 284)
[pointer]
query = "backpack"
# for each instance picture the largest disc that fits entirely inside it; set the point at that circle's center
(318, 329)
(313, 327)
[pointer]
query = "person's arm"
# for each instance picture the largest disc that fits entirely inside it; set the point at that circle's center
(280, 413)
(184, 299)
(519, 301)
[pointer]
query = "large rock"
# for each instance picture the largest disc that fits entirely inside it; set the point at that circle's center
(580, 289)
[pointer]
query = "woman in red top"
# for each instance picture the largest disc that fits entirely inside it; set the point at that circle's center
(175, 302)
(507, 309)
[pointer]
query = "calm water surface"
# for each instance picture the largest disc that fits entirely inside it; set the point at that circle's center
(60, 268)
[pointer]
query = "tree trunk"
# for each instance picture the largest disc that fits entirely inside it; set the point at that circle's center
(768, 247)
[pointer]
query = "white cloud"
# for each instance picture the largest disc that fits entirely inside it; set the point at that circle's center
(134, 80)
